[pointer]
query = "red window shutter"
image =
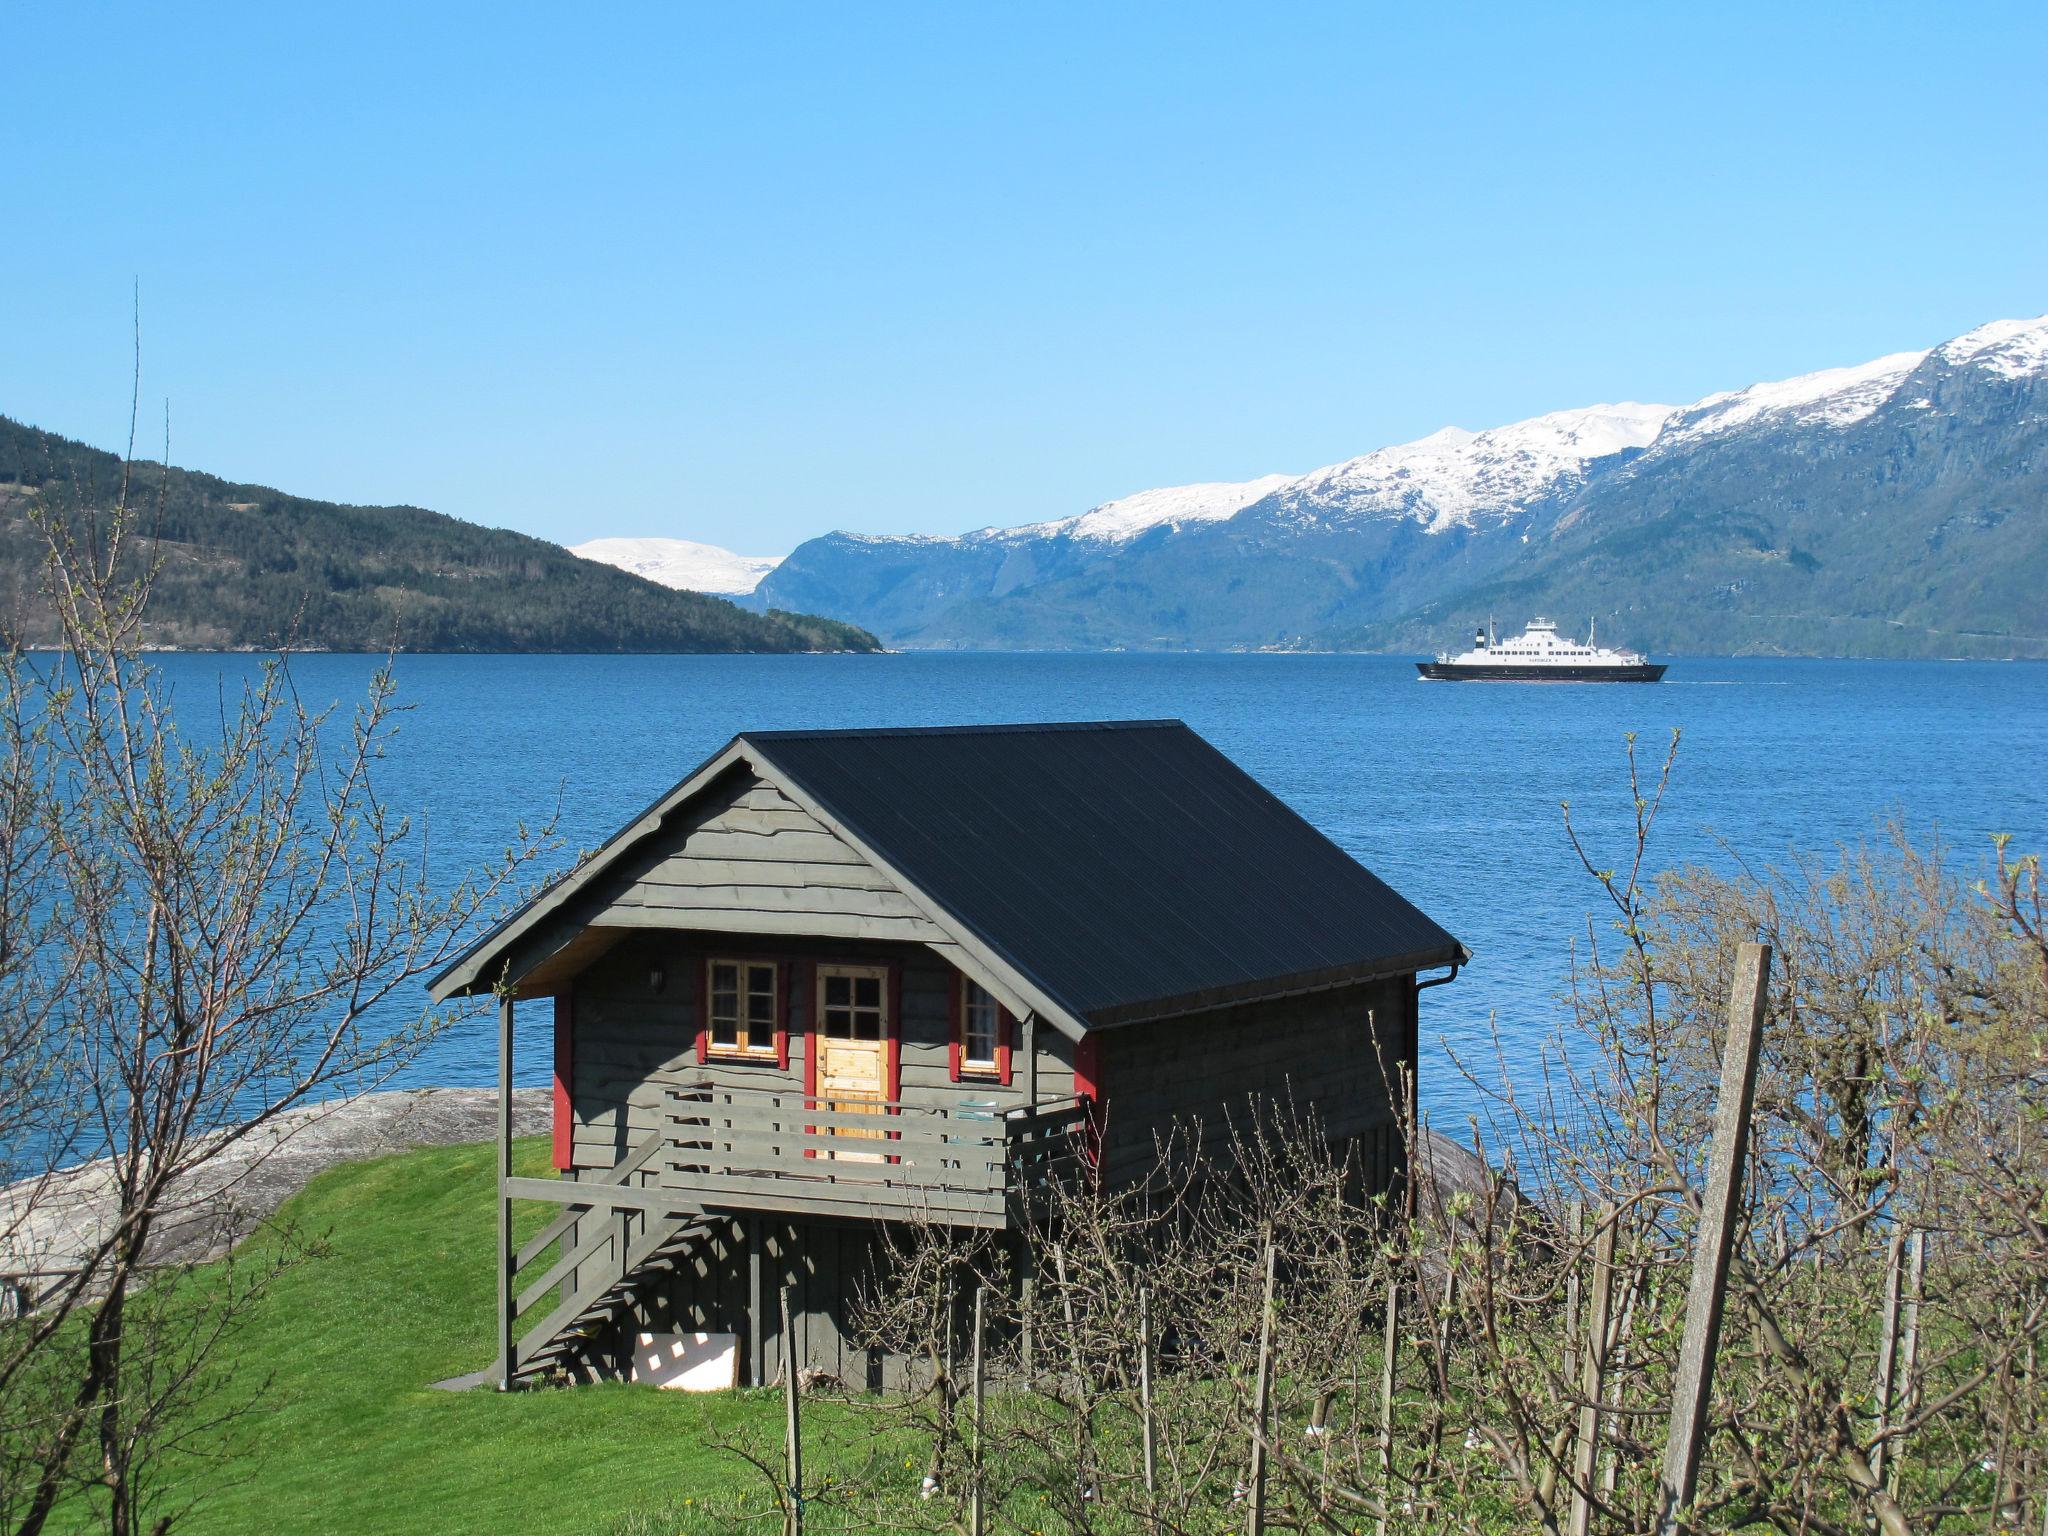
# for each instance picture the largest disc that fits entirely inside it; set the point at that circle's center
(789, 975)
(893, 1051)
(565, 1085)
(1005, 1033)
(959, 1025)
(702, 1002)
(1088, 1086)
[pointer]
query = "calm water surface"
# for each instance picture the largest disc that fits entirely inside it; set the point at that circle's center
(1450, 792)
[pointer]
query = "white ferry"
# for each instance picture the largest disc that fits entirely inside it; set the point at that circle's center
(1540, 655)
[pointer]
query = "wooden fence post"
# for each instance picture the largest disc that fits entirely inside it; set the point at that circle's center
(1413, 1140)
(1909, 1363)
(793, 1495)
(974, 1507)
(1598, 1306)
(1888, 1352)
(1262, 1393)
(1705, 1298)
(1145, 1402)
(1575, 1224)
(1084, 1424)
(1390, 1340)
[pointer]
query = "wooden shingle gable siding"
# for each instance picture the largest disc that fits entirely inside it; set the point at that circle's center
(750, 860)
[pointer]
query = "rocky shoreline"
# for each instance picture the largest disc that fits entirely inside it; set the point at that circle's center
(46, 1224)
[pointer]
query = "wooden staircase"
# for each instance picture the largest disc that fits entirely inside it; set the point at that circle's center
(609, 1243)
(603, 1290)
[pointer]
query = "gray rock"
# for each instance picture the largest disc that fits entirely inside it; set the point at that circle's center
(47, 1224)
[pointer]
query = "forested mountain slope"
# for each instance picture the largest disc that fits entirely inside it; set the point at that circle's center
(245, 566)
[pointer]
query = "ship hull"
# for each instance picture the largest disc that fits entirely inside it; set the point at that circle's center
(1509, 672)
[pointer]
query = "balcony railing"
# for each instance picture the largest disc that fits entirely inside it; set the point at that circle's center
(965, 1164)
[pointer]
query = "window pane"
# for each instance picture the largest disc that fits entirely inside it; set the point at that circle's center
(979, 1027)
(838, 991)
(867, 991)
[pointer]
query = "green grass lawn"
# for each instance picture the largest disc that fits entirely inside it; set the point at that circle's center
(349, 1437)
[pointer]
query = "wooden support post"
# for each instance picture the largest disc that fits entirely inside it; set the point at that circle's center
(1888, 1351)
(757, 1307)
(1027, 1286)
(1747, 1000)
(505, 1252)
(975, 1513)
(1151, 1451)
(793, 1494)
(1262, 1401)
(1586, 1463)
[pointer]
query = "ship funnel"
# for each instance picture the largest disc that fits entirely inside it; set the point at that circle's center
(1479, 640)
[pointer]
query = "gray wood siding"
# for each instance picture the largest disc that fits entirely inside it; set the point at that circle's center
(755, 861)
(631, 1043)
(1321, 1051)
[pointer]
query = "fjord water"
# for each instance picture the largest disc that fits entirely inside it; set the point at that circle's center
(1449, 791)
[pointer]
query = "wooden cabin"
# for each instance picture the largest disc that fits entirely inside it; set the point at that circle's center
(838, 979)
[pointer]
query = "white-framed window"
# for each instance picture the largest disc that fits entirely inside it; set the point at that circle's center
(742, 1007)
(981, 1029)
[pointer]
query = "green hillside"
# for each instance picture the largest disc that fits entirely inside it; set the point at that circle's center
(248, 567)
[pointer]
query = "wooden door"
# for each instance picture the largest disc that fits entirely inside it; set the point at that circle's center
(852, 1036)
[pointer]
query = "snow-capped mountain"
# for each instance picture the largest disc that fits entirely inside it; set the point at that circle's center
(1174, 506)
(1454, 478)
(1895, 506)
(679, 563)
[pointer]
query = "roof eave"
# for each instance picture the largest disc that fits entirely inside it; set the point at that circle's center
(1236, 994)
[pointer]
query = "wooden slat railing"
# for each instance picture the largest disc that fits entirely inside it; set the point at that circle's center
(765, 1149)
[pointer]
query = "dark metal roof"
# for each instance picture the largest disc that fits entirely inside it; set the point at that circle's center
(1120, 865)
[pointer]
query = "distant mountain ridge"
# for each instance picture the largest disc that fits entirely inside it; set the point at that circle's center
(1897, 507)
(245, 567)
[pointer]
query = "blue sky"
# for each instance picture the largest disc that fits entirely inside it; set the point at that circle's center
(752, 272)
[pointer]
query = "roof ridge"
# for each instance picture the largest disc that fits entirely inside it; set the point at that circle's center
(1034, 727)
